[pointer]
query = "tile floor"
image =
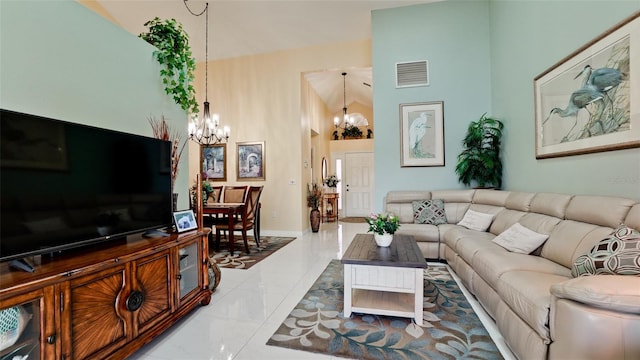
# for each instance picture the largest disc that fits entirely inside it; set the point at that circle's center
(249, 305)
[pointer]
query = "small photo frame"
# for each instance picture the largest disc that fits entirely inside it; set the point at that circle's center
(422, 134)
(214, 162)
(250, 161)
(185, 220)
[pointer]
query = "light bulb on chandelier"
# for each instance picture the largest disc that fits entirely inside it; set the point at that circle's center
(206, 131)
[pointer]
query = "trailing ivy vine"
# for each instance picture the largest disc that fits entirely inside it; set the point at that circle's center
(174, 53)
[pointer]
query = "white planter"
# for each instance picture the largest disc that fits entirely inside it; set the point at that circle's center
(383, 240)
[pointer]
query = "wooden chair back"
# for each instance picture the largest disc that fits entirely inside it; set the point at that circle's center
(251, 205)
(235, 194)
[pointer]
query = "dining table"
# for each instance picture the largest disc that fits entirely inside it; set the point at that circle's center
(229, 210)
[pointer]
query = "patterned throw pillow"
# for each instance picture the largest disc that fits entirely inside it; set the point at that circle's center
(618, 254)
(429, 212)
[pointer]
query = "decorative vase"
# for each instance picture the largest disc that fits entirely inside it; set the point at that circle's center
(383, 240)
(314, 219)
(175, 201)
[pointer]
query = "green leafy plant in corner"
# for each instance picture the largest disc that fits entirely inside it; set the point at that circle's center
(480, 160)
(174, 53)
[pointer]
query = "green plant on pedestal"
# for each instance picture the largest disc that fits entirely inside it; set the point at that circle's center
(480, 160)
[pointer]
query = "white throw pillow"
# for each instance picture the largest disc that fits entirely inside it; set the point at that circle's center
(519, 239)
(476, 220)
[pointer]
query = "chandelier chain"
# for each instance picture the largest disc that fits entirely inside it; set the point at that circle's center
(206, 131)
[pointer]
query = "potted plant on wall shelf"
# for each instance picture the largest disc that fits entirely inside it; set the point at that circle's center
(479, 160)
(174, 54)
(351, 132)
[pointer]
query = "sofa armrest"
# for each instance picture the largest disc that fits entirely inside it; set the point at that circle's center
(610, 292)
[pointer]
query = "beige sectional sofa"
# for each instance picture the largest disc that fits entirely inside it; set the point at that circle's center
(540, 309)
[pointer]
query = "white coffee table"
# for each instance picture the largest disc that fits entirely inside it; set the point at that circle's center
(384, 281)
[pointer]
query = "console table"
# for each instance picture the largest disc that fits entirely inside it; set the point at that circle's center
(330, 207)
(384, 280)
(105, 301)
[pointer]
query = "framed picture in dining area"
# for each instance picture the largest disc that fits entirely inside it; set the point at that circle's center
(250, 160)
(422, 134)
(588, 102)
(213, 159)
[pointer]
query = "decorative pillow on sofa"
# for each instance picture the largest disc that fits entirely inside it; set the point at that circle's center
(618, 254)
(476, 220)
(429, 212)
(520, 239)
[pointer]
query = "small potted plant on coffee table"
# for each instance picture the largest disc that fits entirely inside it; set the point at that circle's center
(383, 226)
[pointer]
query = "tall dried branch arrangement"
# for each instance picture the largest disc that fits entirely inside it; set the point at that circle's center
(162, 131)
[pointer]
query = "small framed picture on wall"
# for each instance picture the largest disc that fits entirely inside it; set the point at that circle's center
(214, 162)
(250, 160)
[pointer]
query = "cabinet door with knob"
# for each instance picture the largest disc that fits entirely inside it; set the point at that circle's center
(27, 326)
(117, 304)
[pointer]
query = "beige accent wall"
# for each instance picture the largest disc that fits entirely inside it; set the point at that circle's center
(265, 98)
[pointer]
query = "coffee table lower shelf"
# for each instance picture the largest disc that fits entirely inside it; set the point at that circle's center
(382, 303)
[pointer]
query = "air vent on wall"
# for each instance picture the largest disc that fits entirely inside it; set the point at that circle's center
(413, 73)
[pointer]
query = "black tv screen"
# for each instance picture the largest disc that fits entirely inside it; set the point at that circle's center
(65, 185)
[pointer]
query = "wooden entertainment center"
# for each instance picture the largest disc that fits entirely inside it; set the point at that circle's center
(106, 300)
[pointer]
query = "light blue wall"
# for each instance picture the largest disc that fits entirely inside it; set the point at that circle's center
(527, 38)
(58, 59)
(454, 37)
(483, 57)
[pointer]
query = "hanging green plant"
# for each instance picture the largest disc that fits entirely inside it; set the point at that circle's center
(174, 53)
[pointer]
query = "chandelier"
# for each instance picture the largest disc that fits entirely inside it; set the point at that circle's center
(206, 130)
(350, 121)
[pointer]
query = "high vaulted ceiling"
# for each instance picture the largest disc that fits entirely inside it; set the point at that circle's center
(239, 28)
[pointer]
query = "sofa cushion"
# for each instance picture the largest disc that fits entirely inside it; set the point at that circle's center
(457, 237)
(527, 294)
(519, 239)
(476, 220)
(491, 264)
(600, 210)
(429, 212)
(617, 254)
(420, 232)
(570, 239)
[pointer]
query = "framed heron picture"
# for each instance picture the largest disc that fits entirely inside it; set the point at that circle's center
(590, 101)
(422, 134)
(214, 162)
(250, 160)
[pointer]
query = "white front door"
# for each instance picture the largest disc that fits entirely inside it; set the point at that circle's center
(358, 185)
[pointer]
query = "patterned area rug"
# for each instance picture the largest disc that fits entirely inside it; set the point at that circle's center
(241, 260)
(451, 329)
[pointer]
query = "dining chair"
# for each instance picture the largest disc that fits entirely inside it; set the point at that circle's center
(246, 221)
(230, 194)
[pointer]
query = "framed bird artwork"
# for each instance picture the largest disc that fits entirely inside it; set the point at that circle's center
(588, 102)
(422, 134)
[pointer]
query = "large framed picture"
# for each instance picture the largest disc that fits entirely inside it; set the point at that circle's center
(590, 100)
(422, 134)
(214, 162)
(185, 220)
(250, 160)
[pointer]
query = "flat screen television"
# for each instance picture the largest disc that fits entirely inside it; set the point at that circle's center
(66, 185)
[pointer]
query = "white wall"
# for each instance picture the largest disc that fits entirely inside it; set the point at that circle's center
(60, 60)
